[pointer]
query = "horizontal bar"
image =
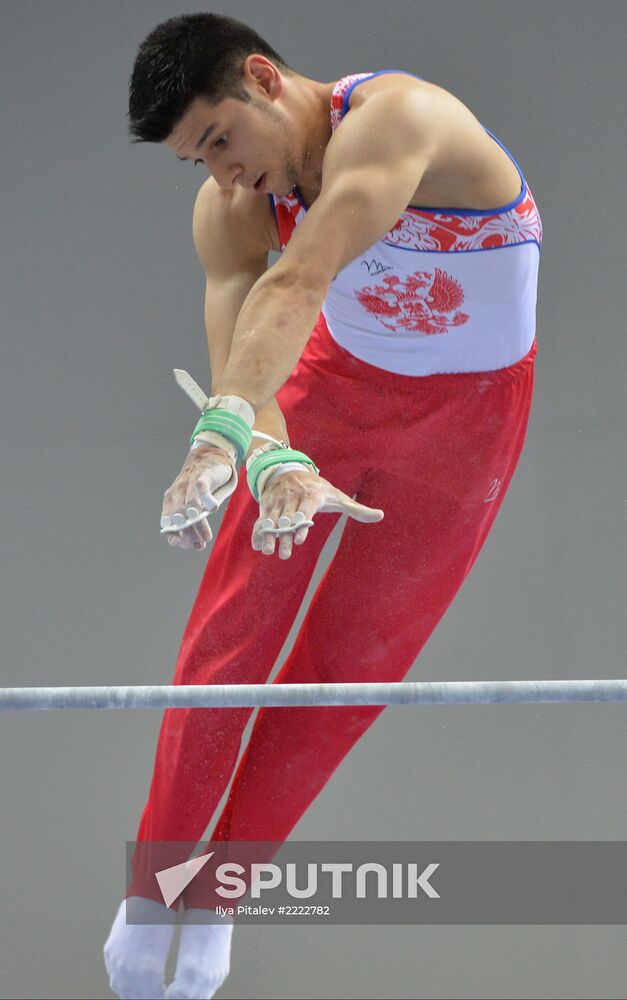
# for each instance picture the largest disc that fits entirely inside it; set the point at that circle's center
(285, 695)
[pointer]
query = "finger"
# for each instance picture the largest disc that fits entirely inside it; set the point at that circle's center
(192, 491)
(192, 525)
(285, 529)
(340, 502)
(202, 489)
(268, 539)
(257, 534)
(191, 537)
(296, 535)
(178, 539)
(367, 515)
(186, 540)
(259, 531)
(263, 536)
(303, 517)
(208, 501)
(185, 537)
(182, 538)
(199, 529)
(197, 539)
(286, 540)
(300, 535)
(204, 501)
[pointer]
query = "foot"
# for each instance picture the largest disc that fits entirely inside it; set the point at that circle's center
(135, 953)
(204, 957)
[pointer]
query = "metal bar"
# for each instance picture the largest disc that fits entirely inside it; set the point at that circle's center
(285, 695)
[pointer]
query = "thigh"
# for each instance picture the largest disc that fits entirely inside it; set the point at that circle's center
(441, 485)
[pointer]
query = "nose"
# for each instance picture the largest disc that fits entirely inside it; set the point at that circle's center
(227, 178)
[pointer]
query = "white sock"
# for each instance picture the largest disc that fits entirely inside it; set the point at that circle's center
(135, 954)
(204, 957)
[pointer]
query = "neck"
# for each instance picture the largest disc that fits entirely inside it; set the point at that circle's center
(309, 102)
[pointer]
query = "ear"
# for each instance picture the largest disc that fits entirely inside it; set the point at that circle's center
(261, 72)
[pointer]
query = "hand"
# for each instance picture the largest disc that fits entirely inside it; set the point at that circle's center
(301, 491)
(206, 479)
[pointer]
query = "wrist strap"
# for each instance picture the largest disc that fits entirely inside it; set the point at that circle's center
(231, 416)
(211, 437)
(277, 470)
(275, 457)
(268, 437)
(234, 428)
(264, 448)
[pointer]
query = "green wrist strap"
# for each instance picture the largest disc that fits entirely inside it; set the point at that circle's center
(275, 457)
(230, 425)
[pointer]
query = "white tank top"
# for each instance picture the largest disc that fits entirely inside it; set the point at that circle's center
(445, 290)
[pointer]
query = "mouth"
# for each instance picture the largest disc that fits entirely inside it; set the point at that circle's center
(259, 183)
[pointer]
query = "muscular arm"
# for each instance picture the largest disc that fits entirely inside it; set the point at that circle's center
(232, 266)
(372, 166)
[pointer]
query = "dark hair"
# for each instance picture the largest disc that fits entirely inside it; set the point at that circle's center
(196, 55)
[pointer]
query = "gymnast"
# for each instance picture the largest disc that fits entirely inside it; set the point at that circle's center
(381, 368)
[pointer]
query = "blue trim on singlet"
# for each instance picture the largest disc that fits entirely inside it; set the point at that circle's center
(500, 210)
(276, 218)
(370, 76)
(297, 193)
(456, 211)
(507, 246)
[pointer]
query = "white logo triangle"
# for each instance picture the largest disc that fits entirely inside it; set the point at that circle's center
(173, 880)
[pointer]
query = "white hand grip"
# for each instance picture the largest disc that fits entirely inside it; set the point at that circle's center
(193, 390)
(173, 528)
(285, 527)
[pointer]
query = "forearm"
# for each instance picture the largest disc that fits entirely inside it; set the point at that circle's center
(272, 329)
(270, 420)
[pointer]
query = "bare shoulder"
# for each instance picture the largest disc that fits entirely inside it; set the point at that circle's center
(239, 225)
(468, 168)
(443, 111)
(385, 82)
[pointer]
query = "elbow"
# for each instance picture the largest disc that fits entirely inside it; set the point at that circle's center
(307, 283)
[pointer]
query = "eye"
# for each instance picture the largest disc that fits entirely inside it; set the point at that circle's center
(221, 141)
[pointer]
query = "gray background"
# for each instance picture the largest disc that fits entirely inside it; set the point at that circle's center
(101, 297)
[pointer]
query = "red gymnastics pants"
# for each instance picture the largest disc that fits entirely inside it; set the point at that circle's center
(437, 454)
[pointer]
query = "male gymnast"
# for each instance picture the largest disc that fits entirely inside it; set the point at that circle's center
(384, 365)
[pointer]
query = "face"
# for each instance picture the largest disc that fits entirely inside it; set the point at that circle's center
(252, 145)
